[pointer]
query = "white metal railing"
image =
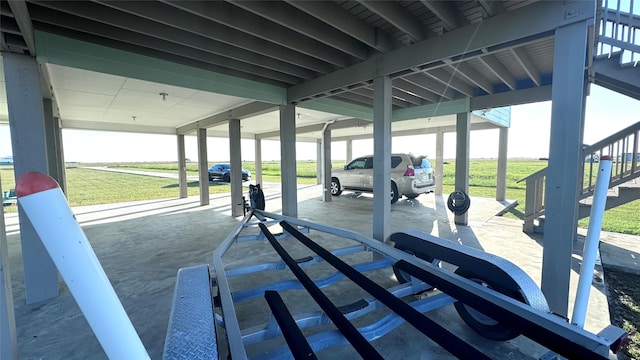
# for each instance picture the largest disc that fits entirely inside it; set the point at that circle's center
(620, 31)
(622, 147)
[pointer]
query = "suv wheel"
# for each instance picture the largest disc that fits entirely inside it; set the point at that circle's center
(335, 187)
(394, 193)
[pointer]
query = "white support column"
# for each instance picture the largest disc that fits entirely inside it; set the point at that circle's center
(258, 161)
(439, 165)
(463, 130)
(203, 166)
(182, 167)
(319, 162)
(381, 157)
(564, 162)
(501, 176)
(349, 150)
(326, 164)
(26, 122)
(288, 172)
(8, 334)
(235, 154)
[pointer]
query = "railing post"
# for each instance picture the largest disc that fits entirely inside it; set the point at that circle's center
(634, 161)
(530, 205)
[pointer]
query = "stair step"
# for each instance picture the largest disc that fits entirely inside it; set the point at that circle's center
(631, 184)
(608, 55)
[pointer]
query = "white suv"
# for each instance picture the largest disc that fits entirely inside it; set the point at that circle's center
(411, 176)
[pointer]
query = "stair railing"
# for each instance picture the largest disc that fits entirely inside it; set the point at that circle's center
(622, 147)
(619, 31)
(534, 198)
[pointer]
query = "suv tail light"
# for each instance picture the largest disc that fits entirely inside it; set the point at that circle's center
(410, 171)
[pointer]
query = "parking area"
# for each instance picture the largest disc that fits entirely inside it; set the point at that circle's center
(142, 245)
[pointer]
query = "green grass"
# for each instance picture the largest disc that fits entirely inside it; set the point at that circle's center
(87, 187)
(624, 308)
(90, 187)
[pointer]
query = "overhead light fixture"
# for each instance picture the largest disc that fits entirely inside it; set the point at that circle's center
(164, 96)
(133, 117)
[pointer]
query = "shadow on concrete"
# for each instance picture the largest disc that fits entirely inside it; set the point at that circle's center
(620, 258)
(576, 259)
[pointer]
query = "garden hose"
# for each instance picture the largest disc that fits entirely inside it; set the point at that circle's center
(458, 202)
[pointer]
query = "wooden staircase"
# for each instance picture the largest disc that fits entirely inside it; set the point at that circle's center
(615, 66)
(624, 182)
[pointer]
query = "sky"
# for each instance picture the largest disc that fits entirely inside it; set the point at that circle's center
(606, 113)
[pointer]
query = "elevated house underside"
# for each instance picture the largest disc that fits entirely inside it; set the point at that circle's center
(247, 69)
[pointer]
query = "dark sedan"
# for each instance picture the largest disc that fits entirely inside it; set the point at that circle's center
(223, 171)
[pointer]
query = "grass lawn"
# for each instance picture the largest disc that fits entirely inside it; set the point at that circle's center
(88, 187)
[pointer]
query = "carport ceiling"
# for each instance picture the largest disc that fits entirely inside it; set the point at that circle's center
(495, 52)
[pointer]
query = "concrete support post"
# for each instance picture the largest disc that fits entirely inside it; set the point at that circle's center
(182, 167)
(319, 162)
(8, 334)
(203, 167)
(463, 130)
(349, 150)
(564, 162)
(28, 140)
(258, 161)
(288, 172)
(439, 165)
(326, 164)
(501, 176)
(381, 157)
(235, 154)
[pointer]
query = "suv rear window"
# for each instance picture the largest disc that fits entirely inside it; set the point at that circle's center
(395, 161)
(420, 162)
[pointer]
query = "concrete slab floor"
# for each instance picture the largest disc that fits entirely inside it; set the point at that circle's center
(142, 245)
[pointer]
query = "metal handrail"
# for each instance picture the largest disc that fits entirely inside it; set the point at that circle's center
(618, 31)
(621, 146)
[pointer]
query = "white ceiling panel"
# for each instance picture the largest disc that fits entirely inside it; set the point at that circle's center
(213, 101)
(66, 78)
(81, 115)
(143, 101)
(157, 88)
(83, 100)
(141, 117)
(185, 114)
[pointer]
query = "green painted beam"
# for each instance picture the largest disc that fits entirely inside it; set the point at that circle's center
(339, 107)
(417, 112)
(438, 109)
(500, 116)
(60, 50)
